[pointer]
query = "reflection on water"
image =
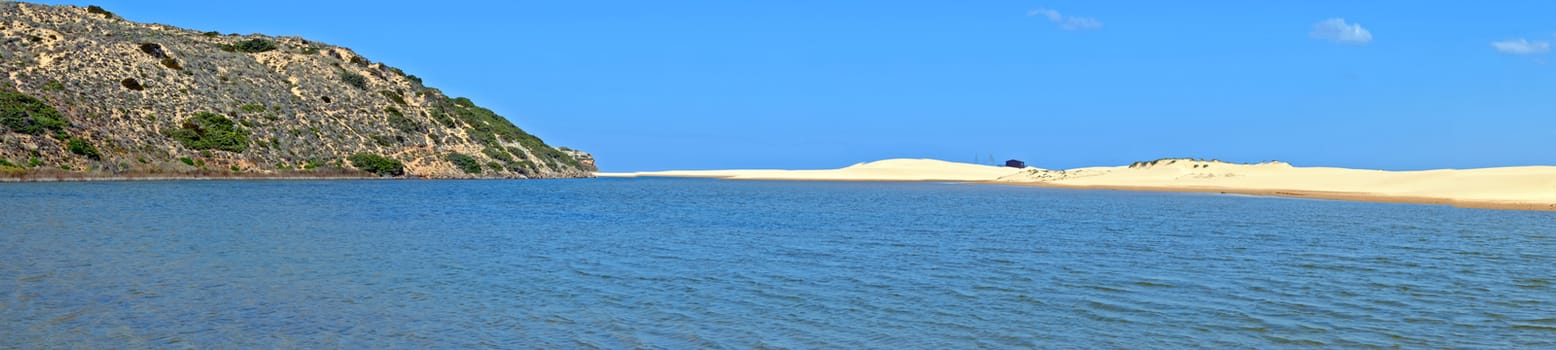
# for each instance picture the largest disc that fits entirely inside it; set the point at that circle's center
(618, 263)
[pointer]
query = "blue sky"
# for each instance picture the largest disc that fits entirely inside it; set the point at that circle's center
(651, 85)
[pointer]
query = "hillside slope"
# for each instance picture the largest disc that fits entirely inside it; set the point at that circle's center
(86, 93)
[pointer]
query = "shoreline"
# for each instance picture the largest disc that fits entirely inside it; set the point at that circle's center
(1282, 193)
(1526, 188)
(822, 176)
(65, 176)
(254, 178)
(192, 178)
(1279, 193)
(1304, 194)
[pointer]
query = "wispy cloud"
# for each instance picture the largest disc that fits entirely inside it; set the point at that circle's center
(1067, 22)
(1521, 46)
(1337, 30)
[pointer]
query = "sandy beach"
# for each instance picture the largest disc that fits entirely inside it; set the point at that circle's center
(1515, 188)
(884, 170)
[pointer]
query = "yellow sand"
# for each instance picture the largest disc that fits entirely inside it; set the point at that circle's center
(1530, 187)
(885, 170)
(1523, 187)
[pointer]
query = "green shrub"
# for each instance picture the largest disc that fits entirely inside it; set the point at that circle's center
(256, 45)
(552, 156)
(489, 129)
(206, 131)
(398, 121)
(212, 34)
(94, 9)
(53, 85)
(235, 168)
(7, 163)
(81, 147)
(443, 118)
(383, 141)
(311, 164)
(377, 164)
(353, 79)
(28, 115)
(393, 97)
(498, 154)
(186, 160)
(153, 49)
(464, 162)
(252, 107)
(34, 162)
(132, 84)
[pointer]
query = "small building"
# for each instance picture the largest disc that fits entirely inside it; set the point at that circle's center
(1016, 164)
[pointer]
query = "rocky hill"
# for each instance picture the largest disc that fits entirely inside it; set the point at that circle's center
(85, 93)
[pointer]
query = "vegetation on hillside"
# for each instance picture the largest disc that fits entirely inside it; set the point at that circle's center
(91, 92)
(489, 129)
(354, 79)
(206, 131)
(250, 46)
(84, 148)
(377, 164)
(132, 84)
(465, 163)
(28, 115)
(94, 9)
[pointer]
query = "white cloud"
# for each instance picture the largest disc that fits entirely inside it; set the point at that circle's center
(1336, 30)
(1067, 22)
(1521, 46)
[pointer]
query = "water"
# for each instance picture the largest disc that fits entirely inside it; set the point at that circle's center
(672, 263)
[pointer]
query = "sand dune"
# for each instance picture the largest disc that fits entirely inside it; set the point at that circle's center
(1524, 188)
(1532, 187)
(885, 170)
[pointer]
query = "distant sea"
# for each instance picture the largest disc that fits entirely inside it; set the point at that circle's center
(693, 263)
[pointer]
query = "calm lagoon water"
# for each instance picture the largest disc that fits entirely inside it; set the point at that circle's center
(683, 263)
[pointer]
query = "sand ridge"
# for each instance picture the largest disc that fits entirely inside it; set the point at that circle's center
(884, 170)
(1522, 188)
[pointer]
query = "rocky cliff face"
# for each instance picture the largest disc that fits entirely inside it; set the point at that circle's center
(84, 91)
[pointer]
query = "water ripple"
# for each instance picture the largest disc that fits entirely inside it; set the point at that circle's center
(661, 263)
